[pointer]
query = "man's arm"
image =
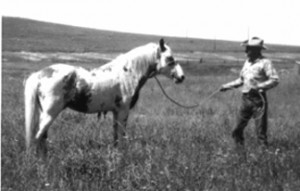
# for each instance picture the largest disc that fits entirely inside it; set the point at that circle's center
(273, 79)
(234, 84)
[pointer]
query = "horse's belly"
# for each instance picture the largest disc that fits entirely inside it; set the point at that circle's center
(101, 103)
(92, 103)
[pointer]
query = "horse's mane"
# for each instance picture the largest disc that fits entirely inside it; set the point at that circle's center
(136, 59)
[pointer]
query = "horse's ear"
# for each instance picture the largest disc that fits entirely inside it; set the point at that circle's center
(162, 45)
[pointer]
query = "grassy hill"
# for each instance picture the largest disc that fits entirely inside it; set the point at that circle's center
(20, 34)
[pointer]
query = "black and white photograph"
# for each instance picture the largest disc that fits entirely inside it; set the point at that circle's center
(160, 95)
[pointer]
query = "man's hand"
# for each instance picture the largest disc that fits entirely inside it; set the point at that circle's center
(223, 89)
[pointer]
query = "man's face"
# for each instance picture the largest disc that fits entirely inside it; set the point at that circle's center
(253, 52)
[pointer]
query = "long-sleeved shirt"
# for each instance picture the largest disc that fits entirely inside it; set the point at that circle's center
(259, 74)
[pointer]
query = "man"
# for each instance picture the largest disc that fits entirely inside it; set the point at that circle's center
(256, 77)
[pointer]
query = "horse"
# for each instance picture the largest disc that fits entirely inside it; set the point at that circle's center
(113, 87)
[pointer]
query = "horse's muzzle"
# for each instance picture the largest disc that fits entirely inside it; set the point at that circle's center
(179, 79)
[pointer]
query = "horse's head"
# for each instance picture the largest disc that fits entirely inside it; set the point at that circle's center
(167, 65)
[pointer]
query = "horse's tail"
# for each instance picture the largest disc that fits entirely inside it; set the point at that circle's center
(32, 106)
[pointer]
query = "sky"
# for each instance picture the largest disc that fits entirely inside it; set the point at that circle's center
(275, 21)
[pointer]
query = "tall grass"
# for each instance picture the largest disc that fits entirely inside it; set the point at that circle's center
(168, 148)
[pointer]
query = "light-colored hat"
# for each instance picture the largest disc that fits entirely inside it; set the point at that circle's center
(254, 42)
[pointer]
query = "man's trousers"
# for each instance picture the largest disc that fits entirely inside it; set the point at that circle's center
(251, 107)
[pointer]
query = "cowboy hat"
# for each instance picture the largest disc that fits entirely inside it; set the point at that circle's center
(254, 42)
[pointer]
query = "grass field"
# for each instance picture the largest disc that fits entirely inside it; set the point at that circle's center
(169, 148)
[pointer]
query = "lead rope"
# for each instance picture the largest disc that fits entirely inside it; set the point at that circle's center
(181, 105)
(261, 110)
(258, 114)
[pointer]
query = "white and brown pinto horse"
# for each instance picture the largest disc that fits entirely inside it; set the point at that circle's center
(114, 87)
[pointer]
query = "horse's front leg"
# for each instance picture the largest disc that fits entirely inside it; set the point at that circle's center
(120, 118)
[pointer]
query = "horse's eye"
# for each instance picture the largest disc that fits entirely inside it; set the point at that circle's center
(170, 61)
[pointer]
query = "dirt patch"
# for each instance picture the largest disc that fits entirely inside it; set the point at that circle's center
(57, 57)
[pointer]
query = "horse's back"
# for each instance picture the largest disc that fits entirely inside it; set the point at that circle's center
(56, 79)
(56, 70)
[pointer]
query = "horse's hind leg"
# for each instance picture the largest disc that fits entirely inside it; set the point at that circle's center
(47, 116)
(42, 134)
